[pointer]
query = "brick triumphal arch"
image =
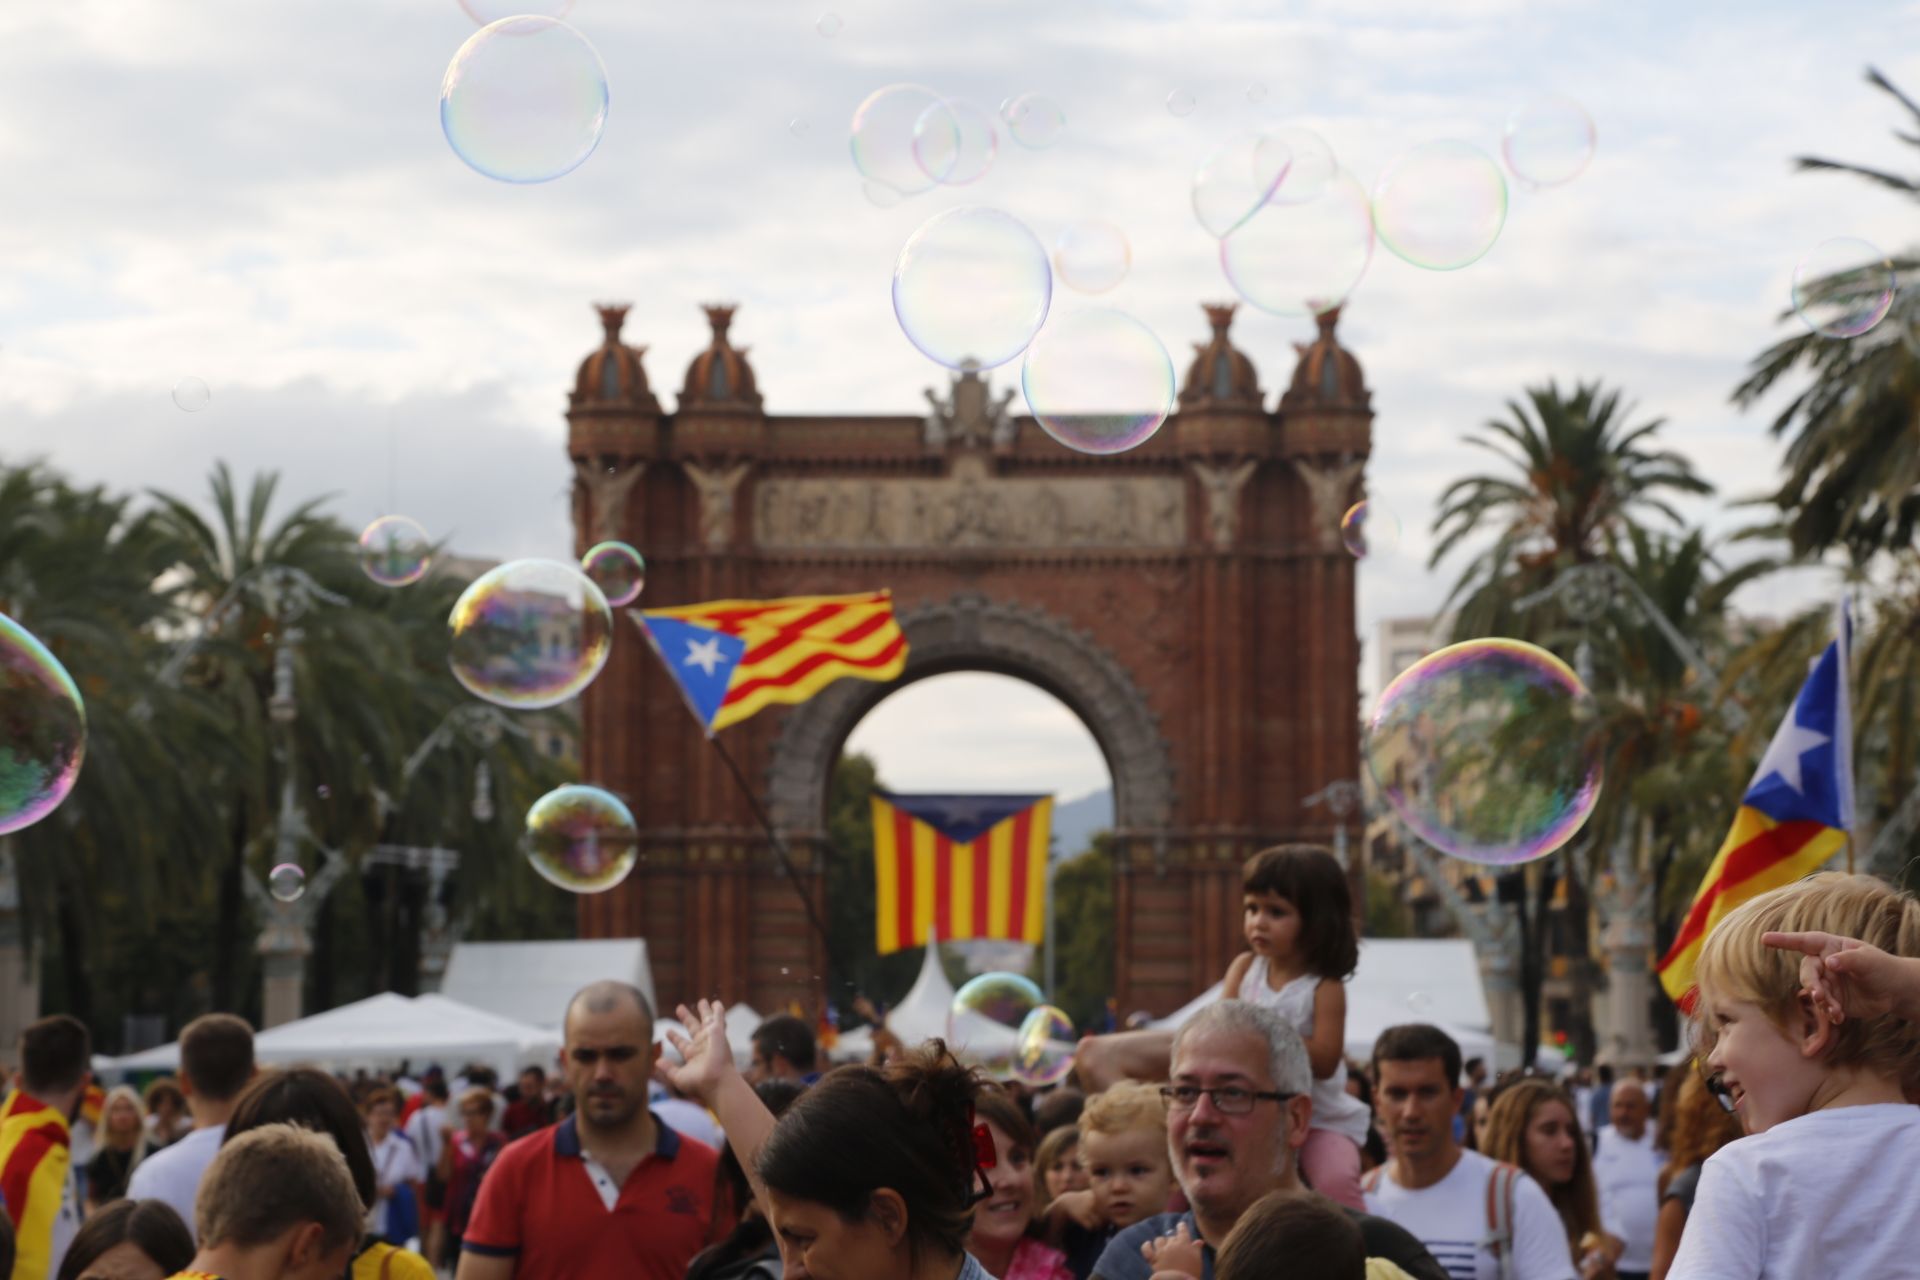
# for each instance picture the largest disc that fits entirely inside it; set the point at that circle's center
(1190, 600)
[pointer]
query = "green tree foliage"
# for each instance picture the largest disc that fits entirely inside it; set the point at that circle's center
(1388, 913)
(855, 968)
(1083, 947)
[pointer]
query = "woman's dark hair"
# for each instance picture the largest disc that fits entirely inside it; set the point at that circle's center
(906, 1127)
(311, 1099)
(149, 1225)
(750, 1238)
(1316, 1236)
(1311, 878)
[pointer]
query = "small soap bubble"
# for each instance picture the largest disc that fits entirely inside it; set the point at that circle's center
(43, 729)
(582, 839)
(190, 394)
(984, 1020)
(529, 634)
(485, 12)
(1843, 287)
(1486, 751)
(524, 100)
(1180, 103)
(618, 570)
(395, 551)
(287, 883)
(1302, 259)
(1441, 205)
(1035, 121)
(1098, 381)
(1092, 256)
(798, 127)
(828, 25)
(1420, 1005)
(1369, 529)
(880, 195)
(893, 127)
(954, 142)
(971, 287)
(1043, 1047)
(1548, 141)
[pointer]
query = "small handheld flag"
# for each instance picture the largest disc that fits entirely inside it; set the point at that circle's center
(1794, 816)
(964, 866)
(732, 658)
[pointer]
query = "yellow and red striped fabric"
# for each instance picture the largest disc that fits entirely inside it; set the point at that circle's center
(795, 647)
(35, 1150)
(989, 883)
(92, 1103)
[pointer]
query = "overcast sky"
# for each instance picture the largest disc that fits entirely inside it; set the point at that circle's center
(259, 195)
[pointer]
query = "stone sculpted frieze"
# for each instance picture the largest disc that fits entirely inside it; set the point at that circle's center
(818, 514)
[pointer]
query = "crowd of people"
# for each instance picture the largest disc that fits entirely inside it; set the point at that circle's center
(1243, 1145)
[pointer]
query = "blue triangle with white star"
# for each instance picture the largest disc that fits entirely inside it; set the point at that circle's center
(699, 658)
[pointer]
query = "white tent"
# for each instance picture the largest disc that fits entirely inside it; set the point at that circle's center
(384, 1030)
(925, 1012)
(531, 982)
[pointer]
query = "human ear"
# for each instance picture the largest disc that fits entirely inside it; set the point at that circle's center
(1815, 1028)
(889, 1212)
(1299, 1120)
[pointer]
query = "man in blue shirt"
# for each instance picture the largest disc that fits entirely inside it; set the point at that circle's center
(1238, 1110)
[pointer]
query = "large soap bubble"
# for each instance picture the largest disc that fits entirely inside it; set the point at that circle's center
(1487, 751)
(582, 839)
(1043, 1047)
(530, 634)
(1236, 181)
(1098, 381)
(1302, 258)
(955, 142)
(1843, 287)
(487, 11)
(971, 287)
(1548, 141)
(894, 127)
(984, 1021)
(1441, 205)
(1092, 256)
(524, 100)
(43, 729)
(395, 551)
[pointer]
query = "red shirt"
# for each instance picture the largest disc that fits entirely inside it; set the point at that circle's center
(540, 1205)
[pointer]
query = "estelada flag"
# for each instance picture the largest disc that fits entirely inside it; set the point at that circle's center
(1794, 816)
(961, 866)
(732, 658)
(35, 1149)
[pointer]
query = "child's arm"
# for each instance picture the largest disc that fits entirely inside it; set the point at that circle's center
(1230, 986)
(1327, 1046)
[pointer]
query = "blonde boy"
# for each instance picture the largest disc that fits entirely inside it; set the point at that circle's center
(1123, 1148)
(1828, 1182)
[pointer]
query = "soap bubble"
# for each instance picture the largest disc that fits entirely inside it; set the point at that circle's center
(395, 551)
(582, 839)
(1548, 141)
(984, 1020)
(1441, 205)
(485, 12)
(1092, 256)
(1485, 750)
(892, 127)
(190, 394)
(1034, 120)
(1236, 181)
(971, 287)
(1305, 156)
(1843, 287)
(524, 100)
(617, 569)
(1098, 381)
(880, 195)
(1369, 529)
(797, 127)
(1043, 1047)
(1256, 93)
(828, 25)
(287, 883)
(1420, 1005)
(43, 729)
(1180, 103)
(954, 142)
(529, 634)
(1302, 259)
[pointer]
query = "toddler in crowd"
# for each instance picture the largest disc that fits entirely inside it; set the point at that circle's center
(1123, 1151)
(1827, 1182)
(1298, 921)
(1305, 1234)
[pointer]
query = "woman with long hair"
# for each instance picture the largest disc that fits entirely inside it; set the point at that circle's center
(1701, 1126)
(1531, 1123)
(120, 1144)
(749, 1252)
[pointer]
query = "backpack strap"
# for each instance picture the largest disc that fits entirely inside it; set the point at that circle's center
(1499, 1239)
(386, 1264)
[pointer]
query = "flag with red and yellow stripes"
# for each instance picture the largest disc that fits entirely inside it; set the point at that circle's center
(732, 658)
(35, 1148)
(1794, 817)
(959, 866)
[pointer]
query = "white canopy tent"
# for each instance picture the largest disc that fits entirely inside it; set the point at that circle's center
(925, 1012)
(382, 1031)
(531, 982)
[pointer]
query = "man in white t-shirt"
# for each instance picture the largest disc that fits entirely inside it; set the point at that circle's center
(216, 1061)
(1626, 1165)
(1438, 1190)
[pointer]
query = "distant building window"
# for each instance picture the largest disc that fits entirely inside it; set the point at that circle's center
(610, 378)
(1329, 378)
(717, 387)
(1222, 376)
(556, 747)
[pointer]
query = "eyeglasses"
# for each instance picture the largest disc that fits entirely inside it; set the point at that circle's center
(1228, 1100)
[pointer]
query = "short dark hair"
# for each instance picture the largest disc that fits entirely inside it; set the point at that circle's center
(1476, 1062)
(435, 1087)
(603, 996)
(536, 1071)
(55, 1053)
(311, 1099)
(1312, 879)
(1315, 1236)
(1604, 1073)
(151, 1226)
(1414, 1041)
(1059, 1109)
(788, 1036)
(216, 1056)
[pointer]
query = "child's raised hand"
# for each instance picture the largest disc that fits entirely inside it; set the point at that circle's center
(1850, 978)
(1079, 1206)
(1176, 1253)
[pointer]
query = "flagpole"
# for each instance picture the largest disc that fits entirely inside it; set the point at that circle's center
(779, 845)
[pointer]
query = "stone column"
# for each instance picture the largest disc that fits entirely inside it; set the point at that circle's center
(283, 995)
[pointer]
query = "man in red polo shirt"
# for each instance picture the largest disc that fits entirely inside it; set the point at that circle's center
(609, 1191)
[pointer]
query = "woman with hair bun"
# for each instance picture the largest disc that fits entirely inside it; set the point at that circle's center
(872, 1174)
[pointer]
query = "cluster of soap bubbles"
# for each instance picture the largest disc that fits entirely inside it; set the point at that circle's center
(43, 729)
(395, 551)
(1843, 287)
(529, 634)
(582, 839)
(525, 98)
(1486, 750)
(1003, 1022)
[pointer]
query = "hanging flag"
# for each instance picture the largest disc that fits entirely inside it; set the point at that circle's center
(1794, 816)
(961, 866)
(732, 658)
(34, 1154)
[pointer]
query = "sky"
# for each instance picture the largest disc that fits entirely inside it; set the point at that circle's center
(260, 196)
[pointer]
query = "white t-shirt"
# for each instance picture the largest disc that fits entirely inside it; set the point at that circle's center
(1629, 1176)
(1833, 1193)
(394, 1162)
(427, 1127)
(174, 1174)
(1450, 1218)
(1334, 1108)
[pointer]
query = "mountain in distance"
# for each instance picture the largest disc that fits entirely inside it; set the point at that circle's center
(1075, 822)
